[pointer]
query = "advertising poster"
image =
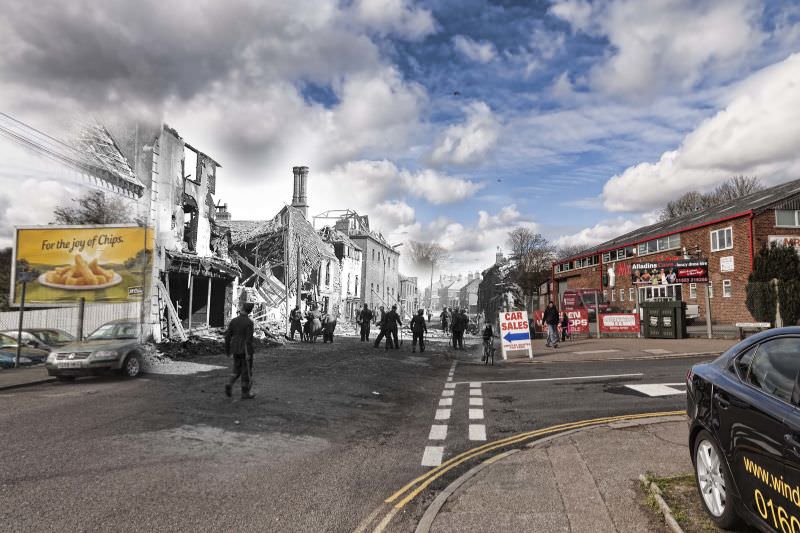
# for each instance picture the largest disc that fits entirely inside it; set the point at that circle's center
(515, 335)
(668, 272)
(102, 264)
(619, 323)
(578, 322)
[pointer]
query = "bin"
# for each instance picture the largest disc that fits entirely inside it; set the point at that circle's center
(664, 320)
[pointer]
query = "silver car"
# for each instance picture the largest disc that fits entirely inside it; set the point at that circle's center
(113, 347)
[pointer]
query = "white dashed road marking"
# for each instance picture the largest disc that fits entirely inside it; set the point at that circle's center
(445, 402)
(449, 392)
(572, 378)
(589, 352)
(476, 414)
(432, 455)
(659, 389)
(476, 401)
(475, 392)
(477, 432)
(438, 432)
(442, 414)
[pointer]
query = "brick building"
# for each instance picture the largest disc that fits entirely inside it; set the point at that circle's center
(379, 261)
(728, 235)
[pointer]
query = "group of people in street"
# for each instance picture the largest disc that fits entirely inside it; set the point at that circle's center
(316, 323)
(455, 321)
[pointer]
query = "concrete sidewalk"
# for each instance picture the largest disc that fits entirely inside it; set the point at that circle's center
(12, 378)
(586, 481)
(624, 348)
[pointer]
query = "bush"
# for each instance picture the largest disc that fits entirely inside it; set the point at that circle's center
(781, 263)
(761, 301)
(789, 296)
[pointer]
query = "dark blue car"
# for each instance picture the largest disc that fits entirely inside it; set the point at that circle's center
(744, 412)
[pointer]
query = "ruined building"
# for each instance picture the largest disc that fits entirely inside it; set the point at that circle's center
(285, 262)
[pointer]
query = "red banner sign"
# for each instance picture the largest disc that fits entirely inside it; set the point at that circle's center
(619, 323)
(578, 322)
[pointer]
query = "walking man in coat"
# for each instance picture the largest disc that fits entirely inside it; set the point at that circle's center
(239, 341)
(418, 331)
(364, 319)
(445, 318)
(381, 327)
(295, 318)
(458, 329)
(550, 318)
(392, 320)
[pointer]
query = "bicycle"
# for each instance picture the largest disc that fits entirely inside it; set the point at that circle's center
(488, 351)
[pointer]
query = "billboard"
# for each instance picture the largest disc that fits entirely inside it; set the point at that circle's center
(619, 323)
(102, 264)
(667, 272)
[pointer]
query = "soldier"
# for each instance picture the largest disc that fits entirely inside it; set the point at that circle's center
(381, 327)
(418, 330)
(445, 318)
(295, 319)
(458, 329)
(392, 320)
(239, 340)
(364, 319)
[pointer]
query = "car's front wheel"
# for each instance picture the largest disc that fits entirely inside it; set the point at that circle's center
(132, 366)
(713, 481)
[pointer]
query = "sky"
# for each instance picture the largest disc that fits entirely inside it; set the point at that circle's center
(447, 120)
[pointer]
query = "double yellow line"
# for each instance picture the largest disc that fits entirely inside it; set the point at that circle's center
(414, 487)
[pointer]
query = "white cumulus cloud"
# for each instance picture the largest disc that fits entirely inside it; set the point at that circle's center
(756, 134)
(478, 51)
(471, 141)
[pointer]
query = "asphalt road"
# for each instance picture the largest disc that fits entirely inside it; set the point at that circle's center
(334, 430)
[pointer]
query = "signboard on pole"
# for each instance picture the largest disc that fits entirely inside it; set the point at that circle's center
(619, 323)
(670, 272)
(515, 335)
(98, 263)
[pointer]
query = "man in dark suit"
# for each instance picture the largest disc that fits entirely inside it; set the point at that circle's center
(391, 320)
(239, 341)
(364, 318)
(418, 331)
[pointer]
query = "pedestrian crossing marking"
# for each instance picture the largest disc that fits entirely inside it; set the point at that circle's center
(476, 401)
(445, 402)
(438, 432)
(476, 414)
(442, 414)
(655, 390)
(477, 432)
(432, 456)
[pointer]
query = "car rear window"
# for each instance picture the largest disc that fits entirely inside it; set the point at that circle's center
(775, 367)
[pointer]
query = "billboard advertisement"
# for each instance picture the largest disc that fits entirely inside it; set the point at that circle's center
(668, 272)
(619, 323)
(102, 264)
(578, 322)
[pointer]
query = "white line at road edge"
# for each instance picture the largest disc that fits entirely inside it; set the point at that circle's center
(588, 352)
(606, 376)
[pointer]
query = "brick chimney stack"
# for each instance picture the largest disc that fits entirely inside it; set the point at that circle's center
(299, 199)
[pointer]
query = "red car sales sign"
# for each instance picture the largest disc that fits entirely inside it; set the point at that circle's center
(619, 323)
(668, 272)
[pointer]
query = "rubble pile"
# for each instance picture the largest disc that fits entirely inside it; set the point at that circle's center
(156, 362)
(212, 342)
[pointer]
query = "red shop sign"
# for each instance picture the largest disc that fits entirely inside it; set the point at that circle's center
(619, 323)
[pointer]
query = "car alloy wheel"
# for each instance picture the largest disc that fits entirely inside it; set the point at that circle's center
(132, 366)
(710, 478)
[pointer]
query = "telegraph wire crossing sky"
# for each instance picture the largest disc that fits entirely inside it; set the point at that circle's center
(447, 120)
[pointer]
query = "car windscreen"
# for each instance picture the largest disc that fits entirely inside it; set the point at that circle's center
(5, 340)
(117, 330)
(53, 336)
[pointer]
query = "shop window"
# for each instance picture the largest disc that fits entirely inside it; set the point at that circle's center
(622, 295)
(785, 217)
(328, 274)
(693, 291)
(727, 288)
(348, 284)
(722, 239)
(632, 294)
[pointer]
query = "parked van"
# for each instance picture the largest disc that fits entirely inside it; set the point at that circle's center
(589, 299)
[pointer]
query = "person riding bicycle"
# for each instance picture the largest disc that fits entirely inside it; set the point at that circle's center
(488, 336)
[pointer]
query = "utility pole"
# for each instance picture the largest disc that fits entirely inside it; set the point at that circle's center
(297, 298)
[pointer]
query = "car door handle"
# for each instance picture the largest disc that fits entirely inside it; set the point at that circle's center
(723, 402)
(792, 440)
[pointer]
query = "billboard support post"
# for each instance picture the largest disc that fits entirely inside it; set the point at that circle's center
(708, 313)
(21, 313)
(81, 309)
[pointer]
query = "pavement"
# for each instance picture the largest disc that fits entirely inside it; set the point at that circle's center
(11, 378)
(606, 349)
(585, 481)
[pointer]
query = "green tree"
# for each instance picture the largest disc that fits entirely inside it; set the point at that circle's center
(779, 263)
(94, 208)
